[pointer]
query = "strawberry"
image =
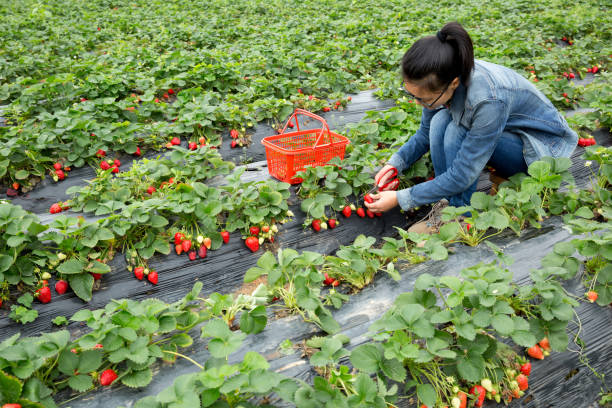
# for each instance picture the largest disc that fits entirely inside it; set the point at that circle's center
(168, 145)
(234, 134)
(16, 186)
(254, 230)
(565, 94)
(572, 75)
(335, 283)
(265, 229)
(328, 280)
(521, 379)
(349, 99)
(300, 91)
(43, 294)
(233, 144)
(117, 163)
(346, 211)
(370, 214)
(178, 238)
(480, 394)
(592, 295)
(55, 208)
(85, 99)
(462, 398)
(156, 100)
(137, 152)
(193, 145)
(595, 69)
(178, 248)
(152, 277)
(175, 141)
(151, 190)
(326, 109)
(544, 344)
(332, 223)
(526, 368)
(98, 346)
(368, 198)
(61, 286)
(290, 125)
(11, 406)
(107, 377)
(60, 174)
(96, 276)
(104, 165)
(192, 255)
(316, 225)
(202, 251)
(361, 212)
(57, 166)
(310, 98)
(115, 169)
(170, 91)
(207, 242)
(139, 272)
(165, 96)
(535, 352)
(226, 236)
(378, 214)
(252, 243)
(186, 245)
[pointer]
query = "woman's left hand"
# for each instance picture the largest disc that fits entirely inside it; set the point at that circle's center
(383, 201)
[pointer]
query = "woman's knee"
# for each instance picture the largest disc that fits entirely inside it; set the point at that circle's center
(453, 137)
(437, 128)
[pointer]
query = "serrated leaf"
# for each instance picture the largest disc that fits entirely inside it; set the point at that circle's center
(80, 383)
(138, 379)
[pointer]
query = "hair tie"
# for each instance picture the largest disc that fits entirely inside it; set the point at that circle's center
(441, 36)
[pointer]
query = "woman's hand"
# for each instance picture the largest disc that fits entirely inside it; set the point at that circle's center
(383, 201)
(383, 176)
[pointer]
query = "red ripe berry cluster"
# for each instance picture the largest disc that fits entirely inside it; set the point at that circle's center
(58, 207)
(586, 141)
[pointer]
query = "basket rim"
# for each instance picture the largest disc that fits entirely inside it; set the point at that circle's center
(266, 141)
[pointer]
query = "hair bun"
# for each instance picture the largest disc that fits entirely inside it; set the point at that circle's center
(441, 36)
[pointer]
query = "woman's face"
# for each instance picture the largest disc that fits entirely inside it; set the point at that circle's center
(431, 100)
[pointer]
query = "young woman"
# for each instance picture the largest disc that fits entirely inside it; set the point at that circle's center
(474, 113)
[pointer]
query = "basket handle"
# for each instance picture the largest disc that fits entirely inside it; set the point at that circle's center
(324, 129)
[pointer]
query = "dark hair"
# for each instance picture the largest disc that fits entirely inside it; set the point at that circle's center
(436, 60)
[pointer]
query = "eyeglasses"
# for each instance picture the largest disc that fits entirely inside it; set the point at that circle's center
(429, 105)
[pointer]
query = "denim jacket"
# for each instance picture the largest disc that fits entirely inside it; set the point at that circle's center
(496, 100)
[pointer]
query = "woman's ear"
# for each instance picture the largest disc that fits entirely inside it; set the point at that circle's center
(455, 83)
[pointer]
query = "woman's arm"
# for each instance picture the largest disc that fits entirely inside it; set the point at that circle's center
(490, 119)
(416, 146)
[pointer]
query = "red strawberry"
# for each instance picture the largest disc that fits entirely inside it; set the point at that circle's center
(192, 255)
(55, 208)
(100, 152)
(186, 245)
(526, 368)
(346, 211)
(16, 186)
(233, 144)
(544, 344)
(139, 272)
(60, 174)
(115, 169)
(254, 230)
(300, 90)
(178, 248)
(480, 393)
(11, 406)
(207, 242)
(361, 212)
(290, 125)
(378, 214)
(61, 286)
(11, 192)
(331, 223)
(137, 152)
(175, 141)
(234, 134)
(252, 243)
(152, 277)
(84, 99)
(592, 295)
(310, 98)
(98, 346)
(178, 238)
(335, 283)
(165, 96)
(170, 91)
(591, 142)
(572, 75)
(226, 236)
(370, 214)
(202, 251)
(595, 69)
(368, 198)
(96, 276)
(535, 352)
(57, 166)
(326, 109)
(156, 100)
(151, 190)
(349, 98)
(564, 39)
(104, 165)
(565, 94)
(117, 163)
(107, 377)
(522, 381)
(193, 145)
(43, 294)
(327, 280)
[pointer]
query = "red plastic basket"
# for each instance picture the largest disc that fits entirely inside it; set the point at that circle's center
(288, 153)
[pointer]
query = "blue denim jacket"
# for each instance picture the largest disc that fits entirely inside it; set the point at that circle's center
(496, 100)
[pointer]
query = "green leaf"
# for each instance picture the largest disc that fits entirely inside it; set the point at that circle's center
(80, 383)
(60, 321)
(366, 358)
(502, 324)
(70, 267)
(10, 388)
(471, 367)
(427, 394)
(254, 321)
(138, 379)
(82, 285)
(89, 360)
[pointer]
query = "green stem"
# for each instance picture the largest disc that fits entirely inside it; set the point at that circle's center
(185, 357)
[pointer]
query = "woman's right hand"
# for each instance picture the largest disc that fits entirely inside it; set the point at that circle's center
(383, 176)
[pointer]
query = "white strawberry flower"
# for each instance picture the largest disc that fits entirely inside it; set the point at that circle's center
(61, 256)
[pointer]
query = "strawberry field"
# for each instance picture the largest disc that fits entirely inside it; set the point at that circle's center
(147, 258)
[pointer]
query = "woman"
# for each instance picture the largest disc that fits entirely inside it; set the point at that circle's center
(474, 113)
